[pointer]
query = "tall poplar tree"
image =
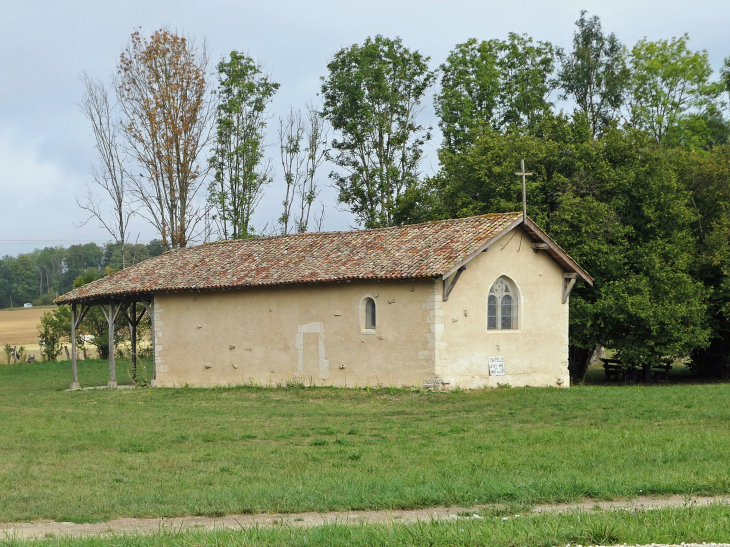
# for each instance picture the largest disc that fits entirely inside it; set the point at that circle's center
(244, 94)
(594, 74)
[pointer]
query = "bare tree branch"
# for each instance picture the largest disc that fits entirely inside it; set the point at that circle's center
(303, 144)
(109, 175)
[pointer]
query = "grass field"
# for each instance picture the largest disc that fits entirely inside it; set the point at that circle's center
(91, 455)
(667, 526)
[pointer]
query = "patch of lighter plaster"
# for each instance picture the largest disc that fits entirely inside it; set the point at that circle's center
(312, 328)
(435, 320)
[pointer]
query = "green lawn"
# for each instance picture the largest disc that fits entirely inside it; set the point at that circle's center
(90, 455)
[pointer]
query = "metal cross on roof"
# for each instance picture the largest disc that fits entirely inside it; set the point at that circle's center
(524, 191)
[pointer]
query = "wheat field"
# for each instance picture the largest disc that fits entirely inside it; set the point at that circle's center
(19, 326)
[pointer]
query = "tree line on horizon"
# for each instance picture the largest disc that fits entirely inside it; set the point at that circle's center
(634, 181)
(41, 276)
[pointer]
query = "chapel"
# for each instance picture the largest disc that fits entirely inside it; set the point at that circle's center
(465, 303)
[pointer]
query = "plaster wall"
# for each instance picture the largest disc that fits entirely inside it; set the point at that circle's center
(536, 353)
(314, 333)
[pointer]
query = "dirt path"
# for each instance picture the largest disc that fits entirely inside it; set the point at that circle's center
(45, 528)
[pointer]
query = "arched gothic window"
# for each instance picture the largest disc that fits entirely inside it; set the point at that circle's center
(369, 313)
(502, 305)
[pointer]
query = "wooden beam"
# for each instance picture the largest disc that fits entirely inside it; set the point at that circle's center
(111, 316)
(74, 324)
(448, 287)
(569, 280)
(133, 318)
(560, 255)
(80, 316)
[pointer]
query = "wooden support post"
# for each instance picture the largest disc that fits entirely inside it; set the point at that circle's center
(111, 318)
(130, 312)
(74, 372)
(112, 358)
(133, 339)
(150, 307)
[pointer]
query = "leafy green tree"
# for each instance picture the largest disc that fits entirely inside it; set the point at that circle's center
(134, 253)
(469, 91)
(725, 75)
(155, 247)
(699, 130)
(527, 80)
(78, 259)
(707, 176)
(244, 94)
(505, 84)
(25, 280)
(667, 80)
(54, 326)
(618, 206)
(49, 265)
(6, 280)
(372, 98)
(594, 74)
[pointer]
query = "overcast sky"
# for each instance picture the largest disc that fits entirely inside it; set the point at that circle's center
(46, 147)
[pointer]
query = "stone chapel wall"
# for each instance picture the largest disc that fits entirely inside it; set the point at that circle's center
(310, 332)
(535, 354)
(315, 333)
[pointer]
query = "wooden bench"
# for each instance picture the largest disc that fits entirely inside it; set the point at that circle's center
(661, 372)
(614, 369)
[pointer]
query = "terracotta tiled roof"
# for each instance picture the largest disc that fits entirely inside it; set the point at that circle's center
(420, 250)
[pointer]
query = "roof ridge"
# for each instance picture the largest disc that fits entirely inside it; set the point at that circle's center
(427, 249)
(355, 231)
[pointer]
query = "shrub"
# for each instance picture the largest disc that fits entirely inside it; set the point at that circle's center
(54, 326)
(45, 299)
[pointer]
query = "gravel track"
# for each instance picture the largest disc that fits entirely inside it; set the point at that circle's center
(44, 528)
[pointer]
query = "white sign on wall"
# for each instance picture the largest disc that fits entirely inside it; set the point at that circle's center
(496, 366)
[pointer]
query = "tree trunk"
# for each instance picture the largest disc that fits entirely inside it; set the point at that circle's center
(578, 361)
(712, 361)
